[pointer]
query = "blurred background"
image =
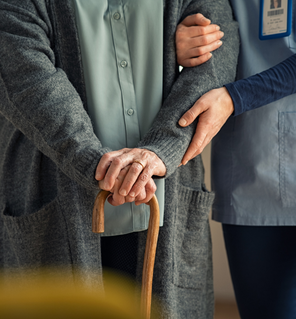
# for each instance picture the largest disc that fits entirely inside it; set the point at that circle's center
(225, 305)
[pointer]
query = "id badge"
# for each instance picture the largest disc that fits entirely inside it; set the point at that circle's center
(275, 19)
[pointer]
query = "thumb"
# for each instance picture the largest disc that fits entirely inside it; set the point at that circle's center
(191, 115)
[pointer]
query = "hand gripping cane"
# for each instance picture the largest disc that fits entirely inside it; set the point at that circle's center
(150, 250)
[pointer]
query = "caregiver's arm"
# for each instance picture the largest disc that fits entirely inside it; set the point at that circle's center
(235, 98)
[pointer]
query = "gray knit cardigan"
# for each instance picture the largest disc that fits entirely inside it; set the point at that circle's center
(48, 152)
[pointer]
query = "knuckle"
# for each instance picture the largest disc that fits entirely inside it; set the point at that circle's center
(181, 47)
(107, 157)
(117, 161)
(146, 154)
(144, 177)
(135, 169)
(198, 16)
(190, 115)
(138, 167)
(180, 34)
(141, 196)
(199, 51)
(129, 199)
(152, 187)
(202, 30)
(202, 104)
(206, 40)
(191, 63)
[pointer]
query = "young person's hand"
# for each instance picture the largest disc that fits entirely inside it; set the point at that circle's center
(213, 109)
(196, 37)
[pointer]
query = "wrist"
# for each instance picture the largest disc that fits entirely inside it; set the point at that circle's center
(228, 102)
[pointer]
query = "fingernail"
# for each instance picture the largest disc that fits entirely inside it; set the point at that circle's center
(132, 194)
(219, 42)
(185, 163)
(217, 28)
(182, 122)
(222, 34)
(123, 192)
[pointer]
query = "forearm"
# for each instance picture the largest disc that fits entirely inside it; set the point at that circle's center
(166, 138)
(265, 87)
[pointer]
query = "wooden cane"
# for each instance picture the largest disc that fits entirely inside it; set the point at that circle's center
(150, 249)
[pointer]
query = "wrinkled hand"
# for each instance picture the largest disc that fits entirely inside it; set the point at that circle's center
(213, 109)
(121, 172)
(196, 37)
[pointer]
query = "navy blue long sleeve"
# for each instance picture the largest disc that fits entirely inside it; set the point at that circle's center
(265, 87)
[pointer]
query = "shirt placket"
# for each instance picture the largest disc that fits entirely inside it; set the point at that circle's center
(124, 69)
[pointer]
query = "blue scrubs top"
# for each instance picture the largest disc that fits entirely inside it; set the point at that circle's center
(254, 154)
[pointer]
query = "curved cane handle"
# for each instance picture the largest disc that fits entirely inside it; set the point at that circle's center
(98, 212)
(150, 249)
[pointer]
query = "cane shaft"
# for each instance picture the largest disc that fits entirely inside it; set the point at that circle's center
(150, 249)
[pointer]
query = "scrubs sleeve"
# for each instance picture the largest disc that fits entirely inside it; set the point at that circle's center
(265, 87)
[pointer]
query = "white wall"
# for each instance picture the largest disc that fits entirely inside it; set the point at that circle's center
(222, 282)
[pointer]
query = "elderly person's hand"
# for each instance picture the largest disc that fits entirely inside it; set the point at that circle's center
(196, 37)
(128, 174)
(213, 109)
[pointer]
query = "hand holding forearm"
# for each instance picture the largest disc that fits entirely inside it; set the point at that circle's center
(196, 37)
(213, 109)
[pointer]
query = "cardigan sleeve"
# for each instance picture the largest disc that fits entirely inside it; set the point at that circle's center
(166, 138)
(37, 97)
(265, 87)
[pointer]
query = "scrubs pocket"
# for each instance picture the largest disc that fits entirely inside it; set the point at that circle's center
(287, 150)
(192, 263)
(35, 240)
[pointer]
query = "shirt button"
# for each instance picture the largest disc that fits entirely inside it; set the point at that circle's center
(130, 112)
(116, 16)
(123, 64)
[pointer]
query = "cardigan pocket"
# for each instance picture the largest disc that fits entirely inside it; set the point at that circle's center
(192, 252)
(287, 154)
(35, 240)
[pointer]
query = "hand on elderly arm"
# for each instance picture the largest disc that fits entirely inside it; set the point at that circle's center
(127, 173)
(196, 37)
(212, 110)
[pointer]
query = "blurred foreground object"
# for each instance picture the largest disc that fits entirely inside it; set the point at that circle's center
(52, 296)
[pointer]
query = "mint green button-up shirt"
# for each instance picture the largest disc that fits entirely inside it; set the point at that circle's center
(122, 52)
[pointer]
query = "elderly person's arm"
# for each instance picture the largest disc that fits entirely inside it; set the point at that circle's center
(38, 98)
(166, 138)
